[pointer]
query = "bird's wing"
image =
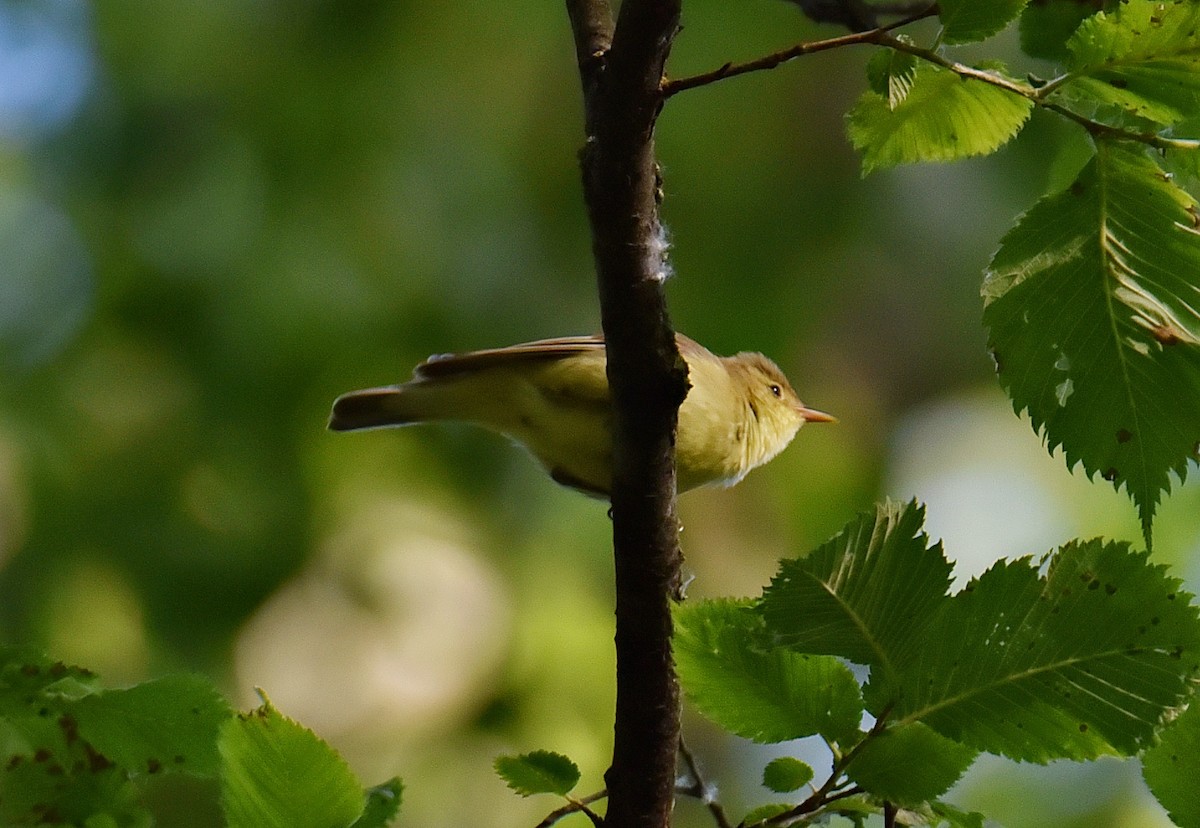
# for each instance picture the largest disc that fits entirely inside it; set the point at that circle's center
(445, 365)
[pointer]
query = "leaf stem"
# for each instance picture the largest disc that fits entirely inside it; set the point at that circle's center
(731, 70)
(699, 789)
(882, 37)
(828, 792)
(575, 806)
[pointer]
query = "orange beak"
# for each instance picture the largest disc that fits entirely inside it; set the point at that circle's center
(811, 415)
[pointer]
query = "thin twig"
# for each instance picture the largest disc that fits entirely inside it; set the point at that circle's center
(853, 790)
(699, 789)
(828, 791)
(730, 70)
(1100, 130)
(961, 69)
(883, 37)
(575, 806)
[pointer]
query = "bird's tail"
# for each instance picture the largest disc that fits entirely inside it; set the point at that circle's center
(392, 405)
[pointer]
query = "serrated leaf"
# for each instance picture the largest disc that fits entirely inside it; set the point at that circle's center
(786, 774)
(168, 724)
(277, 774)
(46, 767)
(1093, 319)
(383, 804)
(1139, 64)
(867, 595)
(909, 764)
(1172, 767)
(1046, 27)
(538, 772)
(965, 21)
(890, 74)
(1085, 661)
(942, 118)
(35, 693)
(765, 695)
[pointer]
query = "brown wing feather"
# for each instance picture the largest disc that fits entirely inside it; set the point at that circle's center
(444, 365)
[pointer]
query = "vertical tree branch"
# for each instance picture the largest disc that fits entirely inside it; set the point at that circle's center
(621, 69)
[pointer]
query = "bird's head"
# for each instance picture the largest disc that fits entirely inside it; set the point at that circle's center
(773, 403)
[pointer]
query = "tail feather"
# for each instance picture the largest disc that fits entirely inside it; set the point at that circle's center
(371, 408)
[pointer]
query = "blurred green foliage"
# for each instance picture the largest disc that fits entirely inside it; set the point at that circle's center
(248, 208)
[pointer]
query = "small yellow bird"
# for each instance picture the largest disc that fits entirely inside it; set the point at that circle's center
(551, 396)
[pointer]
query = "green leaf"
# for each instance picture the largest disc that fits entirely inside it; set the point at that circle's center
(383, 803)
(868, 595)
(965, 21)
(35, 694)
(538, 772)
(1185, 163)
(1095, 327)
(169, 724)
(1172, 767)
(890, 74)
(46, 765)
(1085, 661)
(1047, 26)
(278, 774)
(786, 774)
(764, 812)
(942, 118)
(909, 764)
(1140, 63)
(942, 813)
(765, 695)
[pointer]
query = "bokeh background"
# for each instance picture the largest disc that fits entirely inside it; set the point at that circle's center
(216, 215)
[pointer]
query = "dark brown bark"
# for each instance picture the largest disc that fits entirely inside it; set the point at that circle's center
(621, 68)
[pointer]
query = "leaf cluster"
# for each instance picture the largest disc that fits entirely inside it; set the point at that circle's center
(1091, 299)
(1089, 651)
(75, 753)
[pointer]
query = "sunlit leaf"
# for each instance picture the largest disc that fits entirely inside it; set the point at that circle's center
(1095, 324)
(276, 773)
(890, 74)
(540, 771)
(768, 695)
(909, 764)
(964, 21)
(169, 724)
(1141, 61)
(786, 774)
(942, 118)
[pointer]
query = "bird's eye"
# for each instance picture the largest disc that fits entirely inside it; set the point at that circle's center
(776, 390)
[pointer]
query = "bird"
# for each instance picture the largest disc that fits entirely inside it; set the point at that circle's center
(551, 396)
